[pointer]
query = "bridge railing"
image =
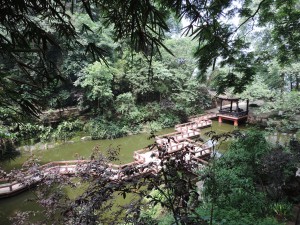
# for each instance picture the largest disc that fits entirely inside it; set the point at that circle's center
(138, 155)
(200, 117)
(62, 163)
(7, 188)
(177, 137)
(167, 135)
(176, 147)
(201, 150)
(15, 186)
(8, 185)
(192, 125)
(202, 161)
(185, 126)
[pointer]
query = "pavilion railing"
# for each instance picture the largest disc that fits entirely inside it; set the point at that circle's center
(233, 113)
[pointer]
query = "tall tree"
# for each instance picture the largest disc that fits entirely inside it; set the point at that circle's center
(35, 33)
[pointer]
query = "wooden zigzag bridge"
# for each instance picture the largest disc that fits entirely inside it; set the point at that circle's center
(145, 160)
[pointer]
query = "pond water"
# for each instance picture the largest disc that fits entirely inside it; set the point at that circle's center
(69, 151)
(129, 144)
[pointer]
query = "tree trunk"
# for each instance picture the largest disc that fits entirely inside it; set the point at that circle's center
(283, 83)
(297, 222)
(214, 64)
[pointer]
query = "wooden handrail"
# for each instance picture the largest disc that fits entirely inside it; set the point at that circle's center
(167, 135)
(203, 117)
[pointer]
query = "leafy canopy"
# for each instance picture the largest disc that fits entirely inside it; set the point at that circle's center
(35, 35)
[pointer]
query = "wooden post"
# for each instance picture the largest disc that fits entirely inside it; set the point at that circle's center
(220, 119)
(247, 106)
(221, 104)
(230, 106)
(236, 123)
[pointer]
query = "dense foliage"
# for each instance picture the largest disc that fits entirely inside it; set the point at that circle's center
(124, 96)
(125, 67)
(63, 61)
(7, 148)
(37, 35)
(254, 182)
(249, 181)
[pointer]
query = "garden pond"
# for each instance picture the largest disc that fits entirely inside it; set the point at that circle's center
(69, 151)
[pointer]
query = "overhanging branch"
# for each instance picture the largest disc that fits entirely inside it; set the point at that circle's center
(250, 17)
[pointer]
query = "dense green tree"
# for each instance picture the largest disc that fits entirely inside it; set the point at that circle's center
(285, 110)
(125, 103)
(258, 90)
(292, 75)
(243, 185)
(7, 146)
(96, 78)
(34, 46)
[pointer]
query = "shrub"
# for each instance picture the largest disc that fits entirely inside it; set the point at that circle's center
(151, 111)
(168, 120)
(46, 134)
(102, 129)
(234, 216)
(125, 103)
(67, 130)
(28, 131)
(7, 149)
(153, 126)
(282, 210)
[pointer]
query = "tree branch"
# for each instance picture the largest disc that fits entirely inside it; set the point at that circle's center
(250, 17)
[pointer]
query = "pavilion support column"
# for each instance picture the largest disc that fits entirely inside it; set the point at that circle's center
(236, 123)
(220, 119)
(221, 104)
(230, 106)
